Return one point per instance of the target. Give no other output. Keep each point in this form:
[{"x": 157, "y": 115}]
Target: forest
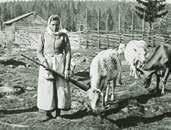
[{"x": 75, "y": 13}]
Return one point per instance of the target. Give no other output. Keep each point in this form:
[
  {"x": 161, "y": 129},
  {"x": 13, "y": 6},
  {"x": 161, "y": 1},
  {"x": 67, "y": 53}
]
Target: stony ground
[{"x": 135, "y": 107}]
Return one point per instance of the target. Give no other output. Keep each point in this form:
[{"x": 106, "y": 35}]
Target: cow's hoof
[
  {"x": 136, "y": 77},
  {"x": 120, "y": 83},
  {"x": 96, "y": 111},
  {"x": 156, "y": 92},
  {"x": 104, "y": 103},
  {"x": 162, "y": 93},
  {"x": 112, "y": 98}
]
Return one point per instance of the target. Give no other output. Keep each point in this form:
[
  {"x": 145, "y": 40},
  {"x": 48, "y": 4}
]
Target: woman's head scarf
[{"x": 51, "y": 18}]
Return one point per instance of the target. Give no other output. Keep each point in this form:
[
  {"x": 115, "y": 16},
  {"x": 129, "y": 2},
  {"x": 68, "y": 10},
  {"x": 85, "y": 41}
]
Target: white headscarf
[{"x": 52, "y": 17}]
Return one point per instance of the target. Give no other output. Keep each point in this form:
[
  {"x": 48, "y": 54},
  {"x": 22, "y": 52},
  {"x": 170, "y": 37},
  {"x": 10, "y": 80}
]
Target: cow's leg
[
  {"x": 134, "y": 72},
  {"x": 120, "y": 78},
  {"x": 119, "y": 66},
  {"x": 113, "y": 90},
  {"x": 164, "y": 80},
  {"x": 102, "y": 88},
  {"x": 95, "y": 82},
  {"x": 157, "y": 82},
  {"x": 103, "y": 102},
  {"x": 130, "y": 70},
  {"x": 148, "y": 80},
  {"x": 107, "y": 92}
]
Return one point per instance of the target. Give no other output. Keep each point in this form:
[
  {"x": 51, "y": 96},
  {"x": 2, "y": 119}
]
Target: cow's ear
[{"x": 88, "y": 84}]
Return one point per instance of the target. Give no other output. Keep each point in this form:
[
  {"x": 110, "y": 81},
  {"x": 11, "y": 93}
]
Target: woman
[{"x": 54, "y": 51}]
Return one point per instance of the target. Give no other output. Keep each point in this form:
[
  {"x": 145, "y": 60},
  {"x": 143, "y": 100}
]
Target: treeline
[{"x": 103, "y": 15}]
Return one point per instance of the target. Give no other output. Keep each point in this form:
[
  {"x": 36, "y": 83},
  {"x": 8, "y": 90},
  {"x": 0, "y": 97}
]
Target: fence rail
[{"x": 101, "y": 39}]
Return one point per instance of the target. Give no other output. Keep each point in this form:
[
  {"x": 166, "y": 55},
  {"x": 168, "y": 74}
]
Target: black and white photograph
[{"x": 85, "y": 64}]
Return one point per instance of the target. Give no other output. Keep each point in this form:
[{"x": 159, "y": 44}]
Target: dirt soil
[{"x": 134, "y": 108}]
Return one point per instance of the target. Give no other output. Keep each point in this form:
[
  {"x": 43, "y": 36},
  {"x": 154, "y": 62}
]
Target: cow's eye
[{"x": 96, "y": 91}]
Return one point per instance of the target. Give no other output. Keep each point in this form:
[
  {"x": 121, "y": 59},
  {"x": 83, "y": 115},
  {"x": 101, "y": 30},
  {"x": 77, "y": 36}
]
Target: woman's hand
[{"x": 44, "y": 62}]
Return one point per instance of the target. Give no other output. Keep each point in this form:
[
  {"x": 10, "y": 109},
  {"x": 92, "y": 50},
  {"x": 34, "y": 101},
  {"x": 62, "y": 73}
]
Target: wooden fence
[
  {"x": 104, "y": 40},
  {"x": 90, "y": 39}
]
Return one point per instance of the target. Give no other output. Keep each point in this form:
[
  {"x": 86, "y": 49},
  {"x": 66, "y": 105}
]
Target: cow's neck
[{"x": 152, "y": 63}]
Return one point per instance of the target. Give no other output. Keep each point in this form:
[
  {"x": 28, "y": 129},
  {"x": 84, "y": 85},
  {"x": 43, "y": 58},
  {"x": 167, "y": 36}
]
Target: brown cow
[{"x": 160, "y": 61}]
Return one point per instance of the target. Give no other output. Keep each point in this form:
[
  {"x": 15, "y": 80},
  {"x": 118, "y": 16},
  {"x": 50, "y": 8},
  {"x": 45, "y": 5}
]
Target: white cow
[
  {"x": 134, "y": 53},
  {"x": 105, "y": 67}
]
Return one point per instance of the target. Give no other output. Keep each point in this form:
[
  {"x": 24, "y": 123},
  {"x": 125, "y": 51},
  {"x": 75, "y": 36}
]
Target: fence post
[
  {"x": 142, "y": 34},
  {"x": 98, "y": 27},
  {"x": 132, "y": 26},
  {"x": 108, "y": 41},
  {"x": 119, "y": 22},
  {"x": 106, "y": 24},
  {"x": 86, "y": 39},
  {"x": 120, "y": 39},
  {"x": 99, "y": 40},
  {"x": 86, "y": 29},
  {"x": 107, "y": 30},
  {"x": 143, "y": 25}
]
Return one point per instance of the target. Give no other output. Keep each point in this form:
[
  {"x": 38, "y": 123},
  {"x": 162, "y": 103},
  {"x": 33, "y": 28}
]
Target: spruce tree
[{"x": 150, "y": 10}]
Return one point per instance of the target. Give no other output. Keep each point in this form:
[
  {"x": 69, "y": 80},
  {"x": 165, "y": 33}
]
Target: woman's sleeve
[
  {"x": 68, "y": 53},
  {"x": 40, "y": 49}
]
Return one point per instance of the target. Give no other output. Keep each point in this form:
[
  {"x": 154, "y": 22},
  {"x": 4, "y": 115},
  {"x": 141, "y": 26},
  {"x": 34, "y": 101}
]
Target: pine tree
[{"x": 150, "y": 10}]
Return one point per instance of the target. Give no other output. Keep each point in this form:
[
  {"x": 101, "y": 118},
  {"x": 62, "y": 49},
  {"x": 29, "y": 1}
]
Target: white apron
[{"x": 53, "y": 94}]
